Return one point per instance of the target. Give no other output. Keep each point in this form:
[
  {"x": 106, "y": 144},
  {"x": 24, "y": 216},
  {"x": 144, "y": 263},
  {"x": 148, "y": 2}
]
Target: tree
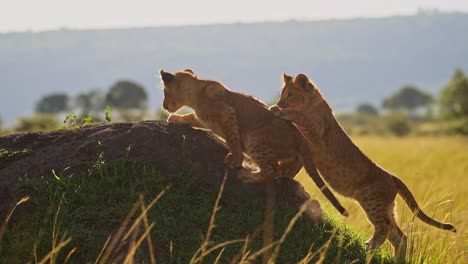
[
  {"x": 90, "y": 101},
  {"x": 408, "y": 98},
  {"x": 367, "y": 109},
  {"x": 126, "y": 94},
  {"x": 52, "y": 103},
  {"x": 454, "y": 96}
]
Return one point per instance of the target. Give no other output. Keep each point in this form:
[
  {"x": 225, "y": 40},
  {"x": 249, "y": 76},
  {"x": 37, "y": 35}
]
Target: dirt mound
[{"x": 169, "y": 148}]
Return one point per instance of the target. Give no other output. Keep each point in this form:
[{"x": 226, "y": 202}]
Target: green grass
[
  {"x": 435, "y": 169},
  {"x": 79, "y": 213}
]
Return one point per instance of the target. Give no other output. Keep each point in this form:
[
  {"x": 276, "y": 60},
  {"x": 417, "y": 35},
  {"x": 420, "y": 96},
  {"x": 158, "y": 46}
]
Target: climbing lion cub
[
  {"x": 275, "y": 145},
  {"x": 342, "y": 164}
]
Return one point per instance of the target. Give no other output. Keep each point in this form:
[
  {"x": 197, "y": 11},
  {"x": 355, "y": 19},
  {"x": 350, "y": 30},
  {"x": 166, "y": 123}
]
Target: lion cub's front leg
[
  {"x": 315, "y": 126},
  {"x": 189, "y": 119},
  {"x": 230, "y": 130}
]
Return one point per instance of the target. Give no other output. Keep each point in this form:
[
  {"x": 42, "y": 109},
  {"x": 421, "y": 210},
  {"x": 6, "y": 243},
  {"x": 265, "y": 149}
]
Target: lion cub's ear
[
  {"x": 286, "y": 78},
  {"x": 167, "y": 77},
  {"x": 303, "y": 81},
  {"x": 190, "y": 71}
]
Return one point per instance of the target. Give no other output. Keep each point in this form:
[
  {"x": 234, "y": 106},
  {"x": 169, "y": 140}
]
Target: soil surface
[{"x": 170, "y": 148}]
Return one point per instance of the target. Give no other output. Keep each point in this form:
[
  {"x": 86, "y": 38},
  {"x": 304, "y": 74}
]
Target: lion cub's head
[
  {"x": 299, "y": 92},
  {"x": 176, "y": 87}
]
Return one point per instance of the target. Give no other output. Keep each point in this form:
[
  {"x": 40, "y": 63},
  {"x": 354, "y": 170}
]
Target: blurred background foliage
[{"x": 409, "y": 111}]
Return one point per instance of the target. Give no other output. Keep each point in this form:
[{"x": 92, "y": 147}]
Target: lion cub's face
[
  {"x": 297, "y": 92},
  {"x": 176, "y": 87}
]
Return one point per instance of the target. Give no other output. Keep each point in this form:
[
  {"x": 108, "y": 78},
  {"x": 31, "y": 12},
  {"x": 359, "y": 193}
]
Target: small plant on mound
[
  {"x": 73, "y": 121},
  {"x": 7, "y": 156},
  {"x": 94, "y": 217},
  {"x": 13, "y": 154}
]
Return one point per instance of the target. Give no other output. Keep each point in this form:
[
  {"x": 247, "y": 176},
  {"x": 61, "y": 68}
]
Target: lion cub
[
  {"x": 246, "y": 124},
  {"x": 342, "y": 164}
]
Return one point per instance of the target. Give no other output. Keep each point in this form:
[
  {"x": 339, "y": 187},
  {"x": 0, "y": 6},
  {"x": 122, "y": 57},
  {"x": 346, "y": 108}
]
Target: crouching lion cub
[
  {"x": 342, "y": 164},
  {"x": 246, "y": 124}
]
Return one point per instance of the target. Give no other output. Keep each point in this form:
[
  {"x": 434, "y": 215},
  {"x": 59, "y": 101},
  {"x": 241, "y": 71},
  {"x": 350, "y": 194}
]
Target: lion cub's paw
[
  {"x": 234, "y": 162},
  {"x": 313, "y": 211},
  {"x": 276, "y": 110},
  {"x": 173, "y": 118},
  {"x": 370, "y": 244},
  {"x": 247, "y": 177}
]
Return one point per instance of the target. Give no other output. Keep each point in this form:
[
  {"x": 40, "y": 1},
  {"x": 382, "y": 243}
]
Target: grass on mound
[{"x": 88, "y": 218}]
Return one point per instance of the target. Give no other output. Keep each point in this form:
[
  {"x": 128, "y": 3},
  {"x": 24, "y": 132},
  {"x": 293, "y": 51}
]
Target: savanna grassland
[
  {"x": 125, "y": 211},
  {"x": 435, "y": 169}
]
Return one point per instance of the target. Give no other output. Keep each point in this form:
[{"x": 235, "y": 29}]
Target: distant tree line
[
  {"x": 452, "y": 103},
  {"x": 128, "y": 100},
  {"x": 406, "y": 104},
  {"x": 124, "y": 94}
]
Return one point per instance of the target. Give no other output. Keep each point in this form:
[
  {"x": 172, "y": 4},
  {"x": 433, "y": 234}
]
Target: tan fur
[
  {"x": 342, "y": 164},
  {"x": 275, "y": 145}
]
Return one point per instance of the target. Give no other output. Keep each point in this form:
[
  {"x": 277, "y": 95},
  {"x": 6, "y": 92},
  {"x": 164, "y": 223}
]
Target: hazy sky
[{"x": 20, "y": 15}]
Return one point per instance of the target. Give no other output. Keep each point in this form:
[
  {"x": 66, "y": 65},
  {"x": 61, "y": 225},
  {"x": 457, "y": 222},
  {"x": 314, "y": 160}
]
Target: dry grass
[{"x": 436, "y": 170}]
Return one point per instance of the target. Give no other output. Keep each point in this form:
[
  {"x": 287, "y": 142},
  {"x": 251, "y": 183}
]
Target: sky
[{"x": 40, "y": 15}]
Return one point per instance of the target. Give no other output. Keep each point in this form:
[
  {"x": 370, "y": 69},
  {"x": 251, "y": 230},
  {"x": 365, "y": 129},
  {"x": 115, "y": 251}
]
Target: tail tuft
[
  {"x": 408, "y": 197},
  {"x": 344, "y": 212},
  {"x": 449, "y": 227}
]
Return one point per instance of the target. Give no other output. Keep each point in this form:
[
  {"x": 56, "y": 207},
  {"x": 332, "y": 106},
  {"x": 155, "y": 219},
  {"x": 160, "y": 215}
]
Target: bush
[
  {"x": 132, "y": 114},
  {"x": 2, "y": 132},
  {"x": 162, "y": 114},
  {"x": 461, "y": 126},
  {"x": 361, "y": 124},
  {"x": 40, "y": 122},
  {"x": 398, "y": 124}
]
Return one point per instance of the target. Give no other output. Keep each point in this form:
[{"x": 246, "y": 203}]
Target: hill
[
  {"x": 352, "y": 60},
  {"x": 173, "y": 177}
]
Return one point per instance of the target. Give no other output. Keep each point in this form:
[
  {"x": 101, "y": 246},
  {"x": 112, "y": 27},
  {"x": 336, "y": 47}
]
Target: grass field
[{"x": 436, "y": 170}]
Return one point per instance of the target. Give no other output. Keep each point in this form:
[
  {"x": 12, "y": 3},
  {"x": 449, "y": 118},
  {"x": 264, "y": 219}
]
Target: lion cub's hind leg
[
  {"x": 289, "y": 168},
  {"x": 377, "y": 213},
  {"x": 266, "y": 161},
  {"x": 397, "y": 238},
  {"x": 270, "y": 167}
]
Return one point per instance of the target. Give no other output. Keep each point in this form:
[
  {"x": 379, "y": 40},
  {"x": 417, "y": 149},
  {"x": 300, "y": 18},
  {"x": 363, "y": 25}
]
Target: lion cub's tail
[
  {"x": 313, "y": 173},
  {"x": 408, "y": 197}
]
